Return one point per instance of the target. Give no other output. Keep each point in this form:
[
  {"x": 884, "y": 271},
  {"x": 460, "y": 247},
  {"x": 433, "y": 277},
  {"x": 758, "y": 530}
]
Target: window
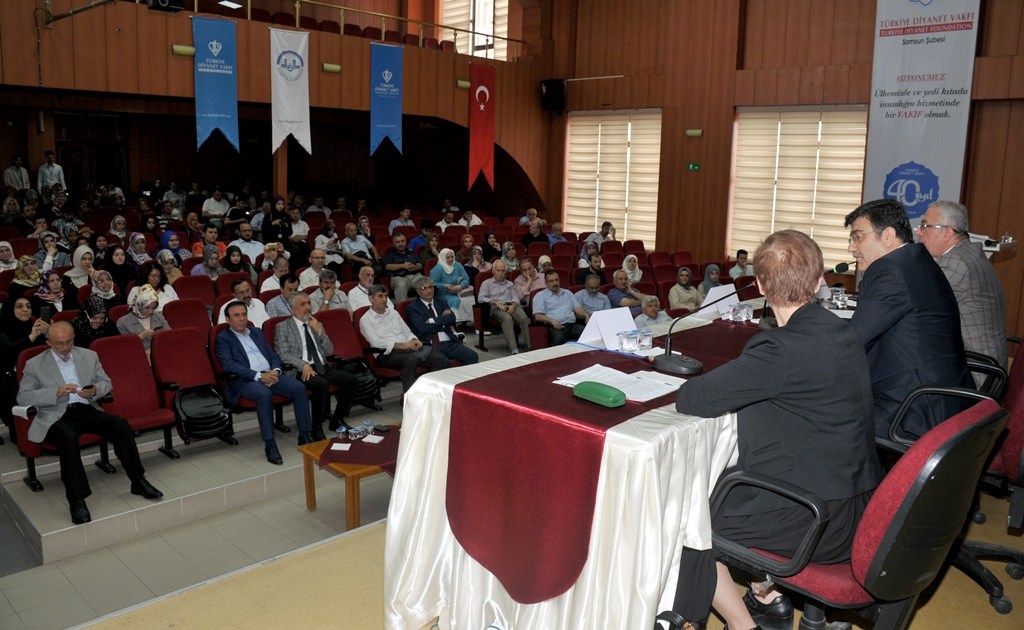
[
  {"x": 486, "y": 18},
  {"x": 800, "y": 169},
  {"x": 612, "y": 166}
]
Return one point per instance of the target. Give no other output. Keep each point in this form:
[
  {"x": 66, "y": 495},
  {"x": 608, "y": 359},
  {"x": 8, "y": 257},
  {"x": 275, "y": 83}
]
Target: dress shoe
[
  {"x": 777, "y": 614},
  {"x": 305, "y": 438},
  {"x": 273, "y": 455},
  {"x": 144, "y": 489},
  {"x": 675, "y": 621},
  {"x": 317, "y": 434},
  {"x": 79, "y": 512},
  {"x": 338, "y": 424}
]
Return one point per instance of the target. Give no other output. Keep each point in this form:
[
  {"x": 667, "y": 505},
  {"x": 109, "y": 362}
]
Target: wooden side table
[{"x": 352, "y": 473}]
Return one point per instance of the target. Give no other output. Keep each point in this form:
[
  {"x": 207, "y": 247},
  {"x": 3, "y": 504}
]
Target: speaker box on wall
[
  {"x": 552, "y": 95},
  {"x": 172, "y": 6}
]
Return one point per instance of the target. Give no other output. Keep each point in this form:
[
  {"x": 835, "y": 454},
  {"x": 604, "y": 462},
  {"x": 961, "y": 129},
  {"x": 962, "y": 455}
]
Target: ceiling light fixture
[{"x": 229, "y": 4}]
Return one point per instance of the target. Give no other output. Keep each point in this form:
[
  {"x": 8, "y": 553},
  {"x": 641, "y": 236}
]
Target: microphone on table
[
  {"x": 840, "y": 268},
  {"x": 684, "y": 365}
]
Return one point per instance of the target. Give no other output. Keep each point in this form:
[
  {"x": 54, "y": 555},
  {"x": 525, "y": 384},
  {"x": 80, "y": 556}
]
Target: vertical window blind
[
  {"x": 799, "y": 169},
  {"x": 612, "y": 166}
]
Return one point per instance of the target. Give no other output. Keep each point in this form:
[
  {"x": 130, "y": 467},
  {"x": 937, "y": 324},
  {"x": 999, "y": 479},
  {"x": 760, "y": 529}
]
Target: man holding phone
[{"x": 64, "y": 386}]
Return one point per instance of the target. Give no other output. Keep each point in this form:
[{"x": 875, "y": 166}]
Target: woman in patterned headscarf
[
  {"x": 92, "y": 322},
  {"x": 137, "y": 249},
  {"x": 211, "y": 264},
  {"x": 51, "y": 293},
  {"x": 26, "y": 276},
  {"x": 142, "y": 318}
]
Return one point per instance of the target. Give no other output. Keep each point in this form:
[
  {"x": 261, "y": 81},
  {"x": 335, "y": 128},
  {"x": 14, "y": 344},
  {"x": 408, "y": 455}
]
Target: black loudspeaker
[
  {"x": 171, "y": 6},
  {"x": 552, "y": 95}
]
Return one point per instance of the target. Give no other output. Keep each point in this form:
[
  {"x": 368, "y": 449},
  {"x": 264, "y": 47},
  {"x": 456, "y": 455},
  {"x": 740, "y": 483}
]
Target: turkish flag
[{"x": 481, "y": 122}]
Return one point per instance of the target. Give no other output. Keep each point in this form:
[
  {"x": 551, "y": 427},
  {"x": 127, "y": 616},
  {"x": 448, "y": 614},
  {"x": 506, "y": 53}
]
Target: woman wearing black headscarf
[
  {"x": 121, "y": 270},
  {"x": 18, "y": 331},
  {"x": 92, "y": 322}
]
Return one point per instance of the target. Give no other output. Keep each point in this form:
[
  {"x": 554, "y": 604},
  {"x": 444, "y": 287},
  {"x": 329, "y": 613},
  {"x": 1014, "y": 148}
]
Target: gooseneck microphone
[
  {"x": 840, "y": 268},
  {"x": 687, "y": 366}
]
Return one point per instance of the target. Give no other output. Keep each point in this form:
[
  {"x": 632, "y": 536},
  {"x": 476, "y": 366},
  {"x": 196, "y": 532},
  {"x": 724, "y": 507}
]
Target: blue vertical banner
[
  {"x": 385, "y": 95},
  {"x": 216, "y": 72}
]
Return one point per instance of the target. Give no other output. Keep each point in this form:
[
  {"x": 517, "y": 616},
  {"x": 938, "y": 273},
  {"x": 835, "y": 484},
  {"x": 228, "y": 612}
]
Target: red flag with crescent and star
[{"x": 481, "y": 122}]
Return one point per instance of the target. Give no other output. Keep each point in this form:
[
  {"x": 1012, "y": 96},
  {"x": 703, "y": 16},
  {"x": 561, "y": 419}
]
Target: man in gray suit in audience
[{"x": 979, "y": 296}]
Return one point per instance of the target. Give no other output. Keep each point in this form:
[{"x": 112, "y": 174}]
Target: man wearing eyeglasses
[
  {"x": 907, "y": 318},
  {"x": 944, "y": 232}
]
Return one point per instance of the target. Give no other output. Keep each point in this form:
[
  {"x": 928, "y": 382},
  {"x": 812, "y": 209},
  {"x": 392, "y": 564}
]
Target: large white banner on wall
[
  {"x": 920, "y": 100},
  {"x": 289, "y": 88}
]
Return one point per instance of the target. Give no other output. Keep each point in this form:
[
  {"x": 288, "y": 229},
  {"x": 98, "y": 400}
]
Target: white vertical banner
[
  {"x": 289, "y": 88},
  {"x": 920, "y": 100}
]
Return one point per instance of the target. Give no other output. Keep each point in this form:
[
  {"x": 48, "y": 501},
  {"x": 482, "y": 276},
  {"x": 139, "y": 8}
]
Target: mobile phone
[
  {"x": 383, "y": 428},
  {"x": 46, "y": 314},
  {"x": 90, "y": 385}
]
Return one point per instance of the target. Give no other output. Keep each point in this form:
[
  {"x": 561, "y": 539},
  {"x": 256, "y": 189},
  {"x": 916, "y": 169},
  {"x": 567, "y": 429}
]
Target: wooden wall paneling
[
  {"x": 860, "y": 83},
  {"x": 753, "y": 34},
  {"x": 844, "y": 32},
  {"x": 744, "y": 89},
  {"x": 798, "y": 28},
  {"x": 774, "y": 46},
  {"x": 152, "y": 53},
  {"x": 788, "y": 87},
  {"x": 256, "y": 42},
  {"x": 1017, "y": 77},
  {"x": 866, "y": 32},
  {"x": 354, "y": 76},
  {"x": 812, "y": 85},
  {"x": 991, "y": 78},
  {"x": 819, "y": 35},
  {"x": 123, "y": 60},
  {"x": 316, "y": 73},
  {"x": 1010, "y": 216},
  {"x": 329, "y": 93},
  {"x": 765, "y": 85},
  {"x": 429, "y": 87},
  {"x": 447, "y": 105},
  {"x": 837, "y": 84},
  {"x": 90, "y": 42},
  {"x": 180, "y": 71},
  {"x": 15, "y": 68},
  {"x": 57, "y": 53},
  {"x": 460, "y": 103},
  {"x": 999, "y": 29},
  {"x": 411, "y": 67}
]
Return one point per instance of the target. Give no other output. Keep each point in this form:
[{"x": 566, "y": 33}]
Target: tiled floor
[{"x": 84, "y": 587}]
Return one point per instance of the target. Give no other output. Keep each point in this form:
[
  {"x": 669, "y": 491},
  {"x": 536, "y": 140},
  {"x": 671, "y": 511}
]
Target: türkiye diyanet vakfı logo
[
  {"x": 289, "y": 64},
  {"x": 214, "y": 64},
  {"x": 386, "y": 88},
  {"x": 913, "y": 185}
]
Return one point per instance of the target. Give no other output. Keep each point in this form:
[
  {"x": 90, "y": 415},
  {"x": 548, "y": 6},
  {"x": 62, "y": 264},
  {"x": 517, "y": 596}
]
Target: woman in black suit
[
  {"x": 799, "y": 419},
  {"x": 18, "y": 331}
]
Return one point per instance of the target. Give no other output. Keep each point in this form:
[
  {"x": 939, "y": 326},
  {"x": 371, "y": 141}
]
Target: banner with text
[
  {"x": 289, "y": 88},
  {"x": 216, "y": 75},
  {"x": 920, "y": 101},
  {"x": 481, "y": 122},
  {"x": 385, "y": 95}
]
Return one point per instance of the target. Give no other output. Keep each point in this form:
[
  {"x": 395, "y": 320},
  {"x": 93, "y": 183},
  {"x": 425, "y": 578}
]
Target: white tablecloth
[{"x": 657, "y": 473}]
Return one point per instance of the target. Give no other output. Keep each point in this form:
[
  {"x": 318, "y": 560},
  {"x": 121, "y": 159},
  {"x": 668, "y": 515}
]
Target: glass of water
[{"x": 629, "y": 341}]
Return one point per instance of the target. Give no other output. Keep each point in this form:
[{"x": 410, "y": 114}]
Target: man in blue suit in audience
[
  {"x": 244, "y": 352},
  {"x": 432, "y": 320}
]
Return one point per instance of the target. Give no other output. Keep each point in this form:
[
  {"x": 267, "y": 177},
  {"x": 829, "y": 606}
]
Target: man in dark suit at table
[
  {"x": 431, "y": 320},
  {"x": 64, "y": 385},
  {"x": 244, "y": 352},
  {"x": 907, "y": 318},
  {"x": 303, "y": 344}
]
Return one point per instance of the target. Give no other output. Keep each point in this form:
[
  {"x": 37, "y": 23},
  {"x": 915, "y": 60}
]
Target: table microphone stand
[{"x": 684, "y": 365}]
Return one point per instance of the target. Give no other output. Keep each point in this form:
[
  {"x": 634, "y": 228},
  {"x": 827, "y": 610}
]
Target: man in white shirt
[
  {"x": 245, "y": 242},
  {"x": 274, "y": 281},
  {"x": 469, "y": 219},
  {"x": 175, "y": 196},
  {"x": 216, "y": 208},
  {"x": 447, "y": 220},
  {"x": 242, "y": 291},
  {"x": 318, "y": 206},
  {"x": 602, "y": 236},
  {"x": 300, "y": 229},
  {"x": 311, "y": 276},
  {"x": 49, "y": 176},
  {"x": 382, "y": 327},
  {"x": 652, "y": 313},
  {"x": 403, "y": 220},
  {"x": 741, "y": 268},
  {"x": 531, "y": 214},
  {"x": 359, "y": 296},
  {"x": 356, "y": 248}
]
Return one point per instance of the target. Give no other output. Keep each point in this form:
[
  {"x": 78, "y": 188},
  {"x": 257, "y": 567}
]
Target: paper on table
[
  {"x": 340, "y": 446},
  {"x": 374, "y": 439},
  {"x": 640, "y": 387}
]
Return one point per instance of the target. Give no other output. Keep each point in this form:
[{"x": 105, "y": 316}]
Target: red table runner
[
  {"x": 384, "y": 454},
  {"x": 523, "y": 466}
]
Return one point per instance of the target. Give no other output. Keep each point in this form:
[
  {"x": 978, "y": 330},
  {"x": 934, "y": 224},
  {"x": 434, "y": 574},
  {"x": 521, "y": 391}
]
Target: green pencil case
[{"x": 604, "y": 395}]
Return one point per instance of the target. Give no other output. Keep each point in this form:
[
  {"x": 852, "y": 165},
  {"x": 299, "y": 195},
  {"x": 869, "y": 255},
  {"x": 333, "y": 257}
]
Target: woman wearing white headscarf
[
  {"x": 142, "y": 318},
  {"x": 7, "y": 259},
  {"x": 82, "y": 270},
  {"x": 450, "y": 279},
  {"x": 632, "y": 268}
]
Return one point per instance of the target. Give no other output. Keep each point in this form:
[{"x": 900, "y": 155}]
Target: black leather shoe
[
  {"x": 675, "y": 621},
  {"x": 304, "y": 438},
  {"x": 144, "y": 489},
  {"x": 317, "y": 434},
  {"x": 79, "y": 512},
  {"x": 776, "y": 615},
  {"x": 273, "y": 455}
]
